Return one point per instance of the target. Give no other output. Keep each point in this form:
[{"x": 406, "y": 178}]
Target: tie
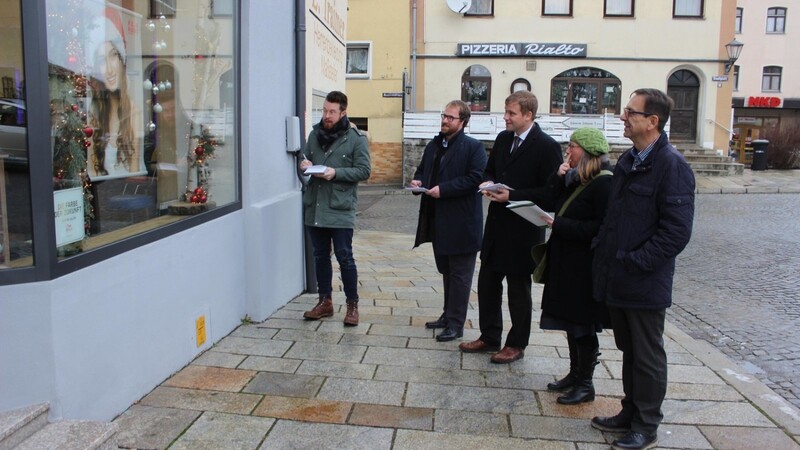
[{"x": 517, "y": 141}]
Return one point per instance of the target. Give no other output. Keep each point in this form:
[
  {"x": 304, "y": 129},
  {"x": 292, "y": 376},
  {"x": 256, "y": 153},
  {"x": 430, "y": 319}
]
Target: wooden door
[{"x": 684, "y": 89}]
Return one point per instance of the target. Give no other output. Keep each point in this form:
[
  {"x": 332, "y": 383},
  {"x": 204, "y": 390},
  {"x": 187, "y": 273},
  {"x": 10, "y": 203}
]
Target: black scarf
[{"x": 326, "y": 137}]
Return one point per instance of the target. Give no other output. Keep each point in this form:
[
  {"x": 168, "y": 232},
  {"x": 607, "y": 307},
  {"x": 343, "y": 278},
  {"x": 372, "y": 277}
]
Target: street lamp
[{"x": 734, "y": 49}]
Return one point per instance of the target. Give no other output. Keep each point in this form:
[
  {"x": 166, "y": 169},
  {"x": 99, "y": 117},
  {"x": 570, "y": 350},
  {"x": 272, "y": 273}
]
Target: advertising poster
[{"x": 68, "y": 204}]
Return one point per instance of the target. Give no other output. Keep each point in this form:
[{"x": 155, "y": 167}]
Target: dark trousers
[
  {"x": 342, "y": 239},
  {"x": 639, "y": 334},
  {"x": 490, "y": 302},
  {"x": 457, "y": 271}
]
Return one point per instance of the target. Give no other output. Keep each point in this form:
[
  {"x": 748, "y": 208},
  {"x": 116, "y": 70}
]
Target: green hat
[{"x": 591, "y": 140}]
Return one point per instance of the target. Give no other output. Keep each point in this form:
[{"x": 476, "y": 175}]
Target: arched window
[
  {"x": 585, "y": 90},
  {"x": 476, "y": 87},
  {"x": 520, "y": 84}
]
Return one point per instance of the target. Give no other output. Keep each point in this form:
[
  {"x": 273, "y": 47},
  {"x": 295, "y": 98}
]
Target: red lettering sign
[{"x": 763, "y": 102}]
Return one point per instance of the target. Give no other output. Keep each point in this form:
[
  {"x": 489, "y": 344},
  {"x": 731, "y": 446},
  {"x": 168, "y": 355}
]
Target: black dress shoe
[
  {"x": 614, "y": 424},
  {"x": 449, "y": 333},
  {"x": 636, "y": 441},
  {"x": 441, "y": 322}
]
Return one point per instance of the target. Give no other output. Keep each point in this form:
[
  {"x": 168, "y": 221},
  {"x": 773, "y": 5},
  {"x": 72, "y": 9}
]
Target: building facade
[
  {"x": 766, "y": 91},
  {"x": 580, "y": 57},
  {"x": 150, "y": 199}
]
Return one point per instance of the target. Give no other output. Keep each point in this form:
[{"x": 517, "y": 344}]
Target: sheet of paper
[
  {"x": 495, "y": 187},
  {"x": 530, "y": 212},
  {"x": 416, "y": 189},
  {"x": 311, "y": 170}
]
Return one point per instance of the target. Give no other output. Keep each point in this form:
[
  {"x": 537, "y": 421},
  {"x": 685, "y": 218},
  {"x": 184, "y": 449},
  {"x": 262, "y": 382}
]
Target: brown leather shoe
[
  {"x": 507, "y": 355},
  {"x": 477, "y": 346},
  {"x": 323, "y": 309},
  {"x": 351, "y": 316}
]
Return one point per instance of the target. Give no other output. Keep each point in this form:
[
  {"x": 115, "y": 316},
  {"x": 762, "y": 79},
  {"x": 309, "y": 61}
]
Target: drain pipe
[
  {"x": 300, "y": 111},
  {"x": 414, "y": 56}
]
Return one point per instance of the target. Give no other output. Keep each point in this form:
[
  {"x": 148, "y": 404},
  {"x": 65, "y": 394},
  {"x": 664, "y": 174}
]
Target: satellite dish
[{"x": 459, "y": 6}]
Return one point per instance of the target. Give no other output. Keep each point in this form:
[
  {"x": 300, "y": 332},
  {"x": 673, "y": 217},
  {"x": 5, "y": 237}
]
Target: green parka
[{"x": 332, "y": 204}]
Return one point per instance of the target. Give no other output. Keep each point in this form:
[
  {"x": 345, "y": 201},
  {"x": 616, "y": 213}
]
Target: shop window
[
  {"x": 556, "y": 7},
  {"x": 480, "y": 8},
  {"x": 585, "y": 90},
  {"x": 359, "y": 62},
  {"x": 143, "y": 117},
  {"x": 771, "y": 79},
  {"x": 15, "y": 195},
  {"x": 687, "y": 8},
  {"x": 361, "y": 122},
  {"x": 160, "y": 8},
  {"x": 738, "y": 24},
  {"x": 618, "y": 8},
  {"x": 776, "y": 20},
  {"x": 520, "y": 84},
  {"x": 221, "y": 8},
  {"x": 476, "y": 87}
]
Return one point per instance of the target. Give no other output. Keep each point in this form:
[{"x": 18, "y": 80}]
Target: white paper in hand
[
  {"x": 494, "y": 187},
  {"x": 530, "y": 212},
  {"x": 416, "y": 189},
  {"x": 311, "y": 170}
]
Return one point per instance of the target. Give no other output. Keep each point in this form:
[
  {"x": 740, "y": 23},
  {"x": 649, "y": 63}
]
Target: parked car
[{"x": 13, "y": 133}]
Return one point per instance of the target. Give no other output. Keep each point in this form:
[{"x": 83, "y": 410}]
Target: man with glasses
[
  {"x": 330, "y": 202},
  {"x": 647, "y": 224},
  {"x": 523, "y": 157},
  {"x": 450, "y": 213}
]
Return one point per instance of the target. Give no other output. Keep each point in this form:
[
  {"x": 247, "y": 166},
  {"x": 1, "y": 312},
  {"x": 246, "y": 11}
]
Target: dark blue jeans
[{"x": 342, "y": 239}]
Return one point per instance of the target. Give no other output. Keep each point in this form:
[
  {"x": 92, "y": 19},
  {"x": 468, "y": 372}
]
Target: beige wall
[
  {"x": 642, "y": 52},
  {"x": 326, "y": 28}
]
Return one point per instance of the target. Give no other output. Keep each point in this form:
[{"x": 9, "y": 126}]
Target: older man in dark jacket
[
  {"x": 648, "y": 223},
  {"x": 451, "y": 214}
]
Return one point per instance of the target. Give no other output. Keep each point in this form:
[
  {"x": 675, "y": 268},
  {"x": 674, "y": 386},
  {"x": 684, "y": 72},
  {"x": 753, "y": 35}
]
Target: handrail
[{"x": 720, "y": 125}]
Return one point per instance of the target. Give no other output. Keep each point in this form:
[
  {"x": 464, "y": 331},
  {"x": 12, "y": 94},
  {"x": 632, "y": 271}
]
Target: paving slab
[
  {"x": 214, "y": 431},
  {"x": 289, "y": 385},
  {"x": 392, "y": 417},
  {"x": 151, "y": 427},
  {"x": 197, "y": 400},
  {"x": 471, "y": 422},
  {"x": 305, "y": 435},
  {"x": 304, "y": 409}
]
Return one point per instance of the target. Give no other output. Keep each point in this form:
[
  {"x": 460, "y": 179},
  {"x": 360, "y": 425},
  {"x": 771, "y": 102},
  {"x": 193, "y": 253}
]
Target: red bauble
[
  {"x": 199, "y": 150},
  {"x": 88, "y": 131},
  {"x": 195, "y": 199},
  {"x": 87, "y": 144},
  {"x": 203, "y": 199},
  {"x": 74, "y": 107},
  {"x": 198, "y": 190}
]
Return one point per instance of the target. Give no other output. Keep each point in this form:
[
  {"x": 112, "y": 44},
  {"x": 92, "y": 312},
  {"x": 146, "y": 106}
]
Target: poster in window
[{"x": 105, "y": 50}]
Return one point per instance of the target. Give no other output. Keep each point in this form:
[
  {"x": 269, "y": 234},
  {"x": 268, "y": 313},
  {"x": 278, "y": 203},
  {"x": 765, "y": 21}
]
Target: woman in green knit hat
[{"x": 579, "y": 196}]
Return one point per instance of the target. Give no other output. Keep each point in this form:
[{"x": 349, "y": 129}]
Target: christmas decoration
[{"x": 198, "y": 160}]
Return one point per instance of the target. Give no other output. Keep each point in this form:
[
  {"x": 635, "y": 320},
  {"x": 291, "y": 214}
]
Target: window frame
[
  {"x": 736, "y": 77},
  {"x": 47, "y": 265},
  {"x": 700, "y": 14},
  {"x": 353, "y": 45},
  {"x": 773, "y": 15},
  {"x": 156, "y": 5},
  {"x": 772, "y": 76},
  {"x": 546, "y": 14},
  {"x": 607, "y": 14},
  {"x": 480, "y": 14},
  {"x": 737, "y": 25}
]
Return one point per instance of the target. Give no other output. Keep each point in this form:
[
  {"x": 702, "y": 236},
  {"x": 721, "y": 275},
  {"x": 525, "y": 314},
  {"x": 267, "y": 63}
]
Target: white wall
[{"x": 95, "y": 341}]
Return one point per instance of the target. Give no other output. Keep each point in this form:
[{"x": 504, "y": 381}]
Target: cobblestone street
[{"x": 737, "y": 284}]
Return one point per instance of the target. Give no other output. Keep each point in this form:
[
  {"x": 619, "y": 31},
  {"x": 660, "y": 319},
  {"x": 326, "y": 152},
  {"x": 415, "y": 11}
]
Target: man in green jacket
[{"x": 340, "y": 154}]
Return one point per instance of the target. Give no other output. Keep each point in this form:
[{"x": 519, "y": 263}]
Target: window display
[{"x": 143, "y": 115}]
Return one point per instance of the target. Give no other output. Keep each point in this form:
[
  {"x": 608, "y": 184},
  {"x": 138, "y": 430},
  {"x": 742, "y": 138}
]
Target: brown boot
[
  {"x": 323, "y": 309},
  {"x": 351, "y": 317}
]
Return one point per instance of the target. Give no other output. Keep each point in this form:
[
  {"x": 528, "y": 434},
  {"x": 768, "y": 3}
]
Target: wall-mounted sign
[
  {"x": 523, "y": 49},
  {"x": 392, "y": 95},
  {"x": 763, "y": 102},
  {"x": 719, "y": 78}
]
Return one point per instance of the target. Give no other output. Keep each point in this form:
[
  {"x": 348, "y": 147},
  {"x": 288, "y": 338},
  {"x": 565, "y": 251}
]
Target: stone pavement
[
  {"x": 751, "y": 182},
  {"x": 387, "y": 384}
]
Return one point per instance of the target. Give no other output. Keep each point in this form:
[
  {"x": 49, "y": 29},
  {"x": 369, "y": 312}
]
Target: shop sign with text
[
  {"x": 524, "y": 49},
  {"x": 763, "y": 102}
]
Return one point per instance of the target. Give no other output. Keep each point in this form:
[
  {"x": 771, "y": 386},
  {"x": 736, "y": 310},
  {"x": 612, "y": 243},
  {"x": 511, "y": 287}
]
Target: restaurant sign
[{"x": 523, "y": 49}]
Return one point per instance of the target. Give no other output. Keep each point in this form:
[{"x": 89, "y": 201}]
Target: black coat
[
  {"x": 507, "y": 237},
  {"x": 568, "y": 281},
  {"x": 648, "y": 223},
  {"x": 458, "y": 211}
]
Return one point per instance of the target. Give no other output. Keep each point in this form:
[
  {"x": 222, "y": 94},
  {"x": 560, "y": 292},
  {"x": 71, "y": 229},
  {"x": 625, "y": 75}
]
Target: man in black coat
[
  {"x": 523, "y": 157},
  {"x": 451, "y": 214},
  {"x": 648, "y": 223}
]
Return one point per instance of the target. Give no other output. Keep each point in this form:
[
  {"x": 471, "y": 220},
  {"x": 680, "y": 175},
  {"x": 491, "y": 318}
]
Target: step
[
  {"x": 74, "y": 435},
  {"x": 20, "y": 424}
]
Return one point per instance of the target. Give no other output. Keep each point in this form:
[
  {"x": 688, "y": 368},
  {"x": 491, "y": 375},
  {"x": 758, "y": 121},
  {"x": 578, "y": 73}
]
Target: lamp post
[{"x": 734, "y": 49}]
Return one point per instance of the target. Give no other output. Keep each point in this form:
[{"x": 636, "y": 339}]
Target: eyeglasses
[
  {"x": 631, "y": 112},
  {"x": 572, "y": 145},
  {"x": 447, "y": 118}
]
